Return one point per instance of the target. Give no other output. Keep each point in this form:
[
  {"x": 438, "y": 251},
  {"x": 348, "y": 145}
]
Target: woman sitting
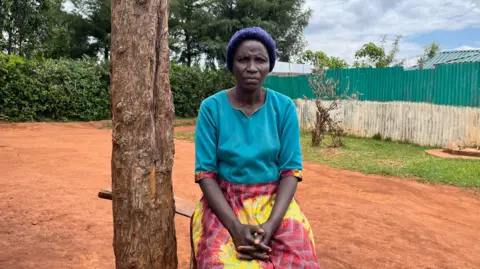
[{"x": 248, "y": 164}]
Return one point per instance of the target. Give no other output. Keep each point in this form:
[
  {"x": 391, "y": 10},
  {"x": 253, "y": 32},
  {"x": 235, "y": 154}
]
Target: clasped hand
[{"x": 252, "y": 242}]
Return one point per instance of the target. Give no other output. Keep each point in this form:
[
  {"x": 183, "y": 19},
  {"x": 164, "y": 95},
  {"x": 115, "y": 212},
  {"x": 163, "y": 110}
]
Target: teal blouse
[{"x": 247, "y": 150}]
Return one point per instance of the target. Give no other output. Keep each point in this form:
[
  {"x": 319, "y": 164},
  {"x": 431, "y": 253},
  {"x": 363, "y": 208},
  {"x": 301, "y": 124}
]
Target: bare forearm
[
  {"x": 217, "y": 202},
  {"x": 285, "y": 194}
]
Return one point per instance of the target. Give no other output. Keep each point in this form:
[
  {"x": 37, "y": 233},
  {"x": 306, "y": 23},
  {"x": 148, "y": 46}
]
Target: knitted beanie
[{"x": 253, "y": 33}]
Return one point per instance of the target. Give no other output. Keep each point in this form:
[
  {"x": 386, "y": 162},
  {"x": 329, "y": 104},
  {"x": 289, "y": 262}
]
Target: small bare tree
[{"x": 327, "y": 99}]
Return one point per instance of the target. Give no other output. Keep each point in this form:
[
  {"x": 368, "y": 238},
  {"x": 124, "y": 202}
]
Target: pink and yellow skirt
[{"x": 212, "y": 247}]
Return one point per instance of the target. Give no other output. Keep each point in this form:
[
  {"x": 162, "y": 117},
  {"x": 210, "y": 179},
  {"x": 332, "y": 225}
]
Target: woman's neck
[{"x": 249, "y": 97}]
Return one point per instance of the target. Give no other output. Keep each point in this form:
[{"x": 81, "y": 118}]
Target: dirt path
[{"x": 51, "y": 216}]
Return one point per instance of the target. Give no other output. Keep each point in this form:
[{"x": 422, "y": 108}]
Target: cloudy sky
[{"x": 340, "y": 27}]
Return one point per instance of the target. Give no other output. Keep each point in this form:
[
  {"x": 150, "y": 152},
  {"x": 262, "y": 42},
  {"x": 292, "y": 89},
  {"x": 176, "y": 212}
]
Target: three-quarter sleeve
[
  {"x": 290, "y": 153},
  {"x": 205, "y": 144}
]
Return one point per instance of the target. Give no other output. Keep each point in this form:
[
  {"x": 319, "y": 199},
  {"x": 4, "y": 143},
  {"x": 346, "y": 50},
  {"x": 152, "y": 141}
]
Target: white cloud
[
  {"x": 340, "y": 27},
  {"x": 467, "y": 48}
]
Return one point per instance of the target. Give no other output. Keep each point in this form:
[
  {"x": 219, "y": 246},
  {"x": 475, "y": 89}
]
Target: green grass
[
  {"x": 178, "y": 122},
  {"x": 189, "y": 136},
  {"x": 185, "y": 122},
  {"x": 396, "y": 159},
  {"x": 107, "y": 125}
]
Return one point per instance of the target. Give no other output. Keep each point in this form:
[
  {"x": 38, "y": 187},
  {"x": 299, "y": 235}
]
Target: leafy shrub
[
  {"x": 52, "y": 90},
  {"x": 78, "y": 90},
  {"x": 190, "y": 85},
  {"x": 377, "y": 136}
]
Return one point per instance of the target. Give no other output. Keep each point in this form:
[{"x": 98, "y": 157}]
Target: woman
[{"x": 248, "y": 164}]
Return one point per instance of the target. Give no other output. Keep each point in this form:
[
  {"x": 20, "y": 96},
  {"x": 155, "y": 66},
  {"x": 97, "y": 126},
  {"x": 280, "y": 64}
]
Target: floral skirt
[{"x": 212, "y": 247}]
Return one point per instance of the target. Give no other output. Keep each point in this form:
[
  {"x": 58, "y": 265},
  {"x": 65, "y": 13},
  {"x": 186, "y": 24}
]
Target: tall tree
[
  {"x": 143, "y": 146},
  {"x": 40, "y": 28},
  {"x": 285, "y": 20},
  {"x": 96, "y": 24},
  {"x": 187, "y": 22},
  {"x": 65, "y": 36},
  {"x": 372, "y": 55},
  {"x": 320, "y": 60},
  {"x": 24, "y": 25}
]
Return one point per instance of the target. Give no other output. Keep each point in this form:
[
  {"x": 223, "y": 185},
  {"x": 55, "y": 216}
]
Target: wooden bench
[{"x": 182, "y": 207}]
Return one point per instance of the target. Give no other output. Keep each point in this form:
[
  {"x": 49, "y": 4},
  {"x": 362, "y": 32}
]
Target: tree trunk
[
  {"x": 142, "y": 136},
  {"x": 105, "y": 53},
  {"x": 9, "y": 44},
  {"x": 317, "y": 134}
]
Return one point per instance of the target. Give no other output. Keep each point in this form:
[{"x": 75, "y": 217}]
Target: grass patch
[
  {"x": 189, "y": 136},
  {"x": 398, "y": 159},
  {"x": 106, "y": 125},
  {"x": 178, "y": 123},
  {"x": 185, "y": 122}
]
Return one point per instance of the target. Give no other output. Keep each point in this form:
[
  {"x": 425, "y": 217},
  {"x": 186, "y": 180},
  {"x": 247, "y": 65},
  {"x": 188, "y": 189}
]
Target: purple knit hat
[{"x": 253, "y": 33}]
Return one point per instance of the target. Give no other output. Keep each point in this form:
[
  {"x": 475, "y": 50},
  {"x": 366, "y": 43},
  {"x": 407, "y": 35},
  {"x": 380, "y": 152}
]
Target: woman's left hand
[
  {"x": 261, "y": 241},
  {"x": 268, "y": 228}
]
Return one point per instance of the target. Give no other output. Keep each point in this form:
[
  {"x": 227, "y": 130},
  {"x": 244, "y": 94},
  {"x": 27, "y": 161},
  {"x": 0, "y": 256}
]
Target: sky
[{"x": 340, "y": 27}]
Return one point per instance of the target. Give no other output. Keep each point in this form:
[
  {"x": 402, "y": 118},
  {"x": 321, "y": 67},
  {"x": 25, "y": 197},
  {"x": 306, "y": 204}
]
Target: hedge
[
  {"x": 52, "y": 90},
  {"x": 78, "y": 90},
  {"x": 190, "y": 85}
]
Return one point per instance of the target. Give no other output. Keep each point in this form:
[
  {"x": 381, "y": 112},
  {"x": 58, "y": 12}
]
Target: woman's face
[{"x": 251, "y": 65}]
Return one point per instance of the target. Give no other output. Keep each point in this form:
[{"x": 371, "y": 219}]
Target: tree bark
[{"x": 142, "y": 136}]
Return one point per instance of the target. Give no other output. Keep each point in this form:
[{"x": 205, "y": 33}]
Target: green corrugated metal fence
[{"x": 454, "y": 84}]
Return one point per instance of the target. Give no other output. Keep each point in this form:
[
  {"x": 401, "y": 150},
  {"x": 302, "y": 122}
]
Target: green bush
[
  {"x": 190, "y": 85},
  {"x": 78, "y": 90},
  {"x": 52, "y": 90}
]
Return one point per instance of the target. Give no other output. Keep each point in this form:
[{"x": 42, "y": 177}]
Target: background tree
[
  {"x": 372, "y": 55},
  {"x": 142, "y": 134},
  {"x": 67, "y": 36},
  {"x": 25, "y": 25},
  {"x": 429, "y": 52},
  {"x": 320, "y": 59},
  {"x": 95, "y": 26},
  {"x": 187, "y": 24},
  {"x": 338, "y": 63},
  {"x": 285, "y": 20},
  {"x": 198, "y": 28},
  {"x": 42, "y": 28}
]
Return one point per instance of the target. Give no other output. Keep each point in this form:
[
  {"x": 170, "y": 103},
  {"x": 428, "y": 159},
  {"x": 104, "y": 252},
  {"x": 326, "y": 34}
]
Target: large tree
[
  {"x": 285, "y": 20},
  {"x": 25, "y": 25},
  {"x": 373, "y": 55},
  {"x": 96, "y": 25},
  {"x": 187, "y": 22},
  {"x": 142, "y": 134},
  {"x": 68, "y": 36},
  {"x": 41, "y": 28}
]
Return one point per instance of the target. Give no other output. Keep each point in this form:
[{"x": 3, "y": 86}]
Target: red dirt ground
[{"x": 51, "y": 216}]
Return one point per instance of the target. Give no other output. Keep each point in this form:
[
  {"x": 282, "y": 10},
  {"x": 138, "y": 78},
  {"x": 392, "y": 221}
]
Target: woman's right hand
[{"x": 243, "y": 236}]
